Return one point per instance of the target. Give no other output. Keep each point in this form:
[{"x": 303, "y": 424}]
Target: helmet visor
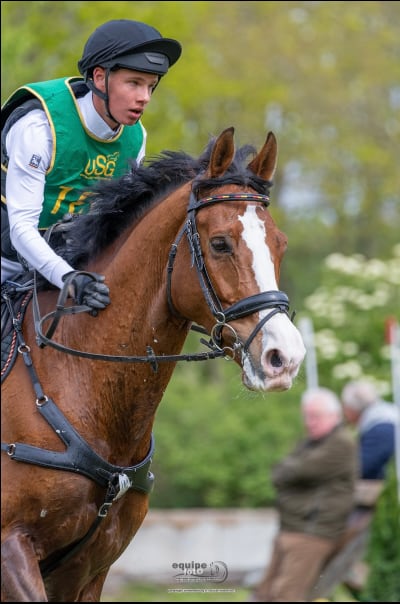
[{"x": 150, "y": 62}]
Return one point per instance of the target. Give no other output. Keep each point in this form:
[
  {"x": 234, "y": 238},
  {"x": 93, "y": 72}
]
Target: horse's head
[
  {"x": 223, "y": 267},
  {"x": 237, "y": 251}
]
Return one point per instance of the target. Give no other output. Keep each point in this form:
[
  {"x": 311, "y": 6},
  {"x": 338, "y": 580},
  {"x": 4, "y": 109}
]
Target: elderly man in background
[{"x": 315, "y": 490}]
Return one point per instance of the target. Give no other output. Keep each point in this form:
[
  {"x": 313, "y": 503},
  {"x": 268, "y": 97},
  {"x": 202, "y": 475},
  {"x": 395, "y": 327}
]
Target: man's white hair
[
  {"x": 327, "y": 399},
  {"x": 358, "y": 395}
]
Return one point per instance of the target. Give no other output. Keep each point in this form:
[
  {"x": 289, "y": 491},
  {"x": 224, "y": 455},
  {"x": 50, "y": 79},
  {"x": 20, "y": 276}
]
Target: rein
[
  {"x": 45, "y": 339},
  {"x": 275, "y": 300}
]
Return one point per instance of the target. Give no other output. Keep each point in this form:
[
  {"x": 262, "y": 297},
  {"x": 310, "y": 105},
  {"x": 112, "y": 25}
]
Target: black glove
[{"x": 89, "y": 290}]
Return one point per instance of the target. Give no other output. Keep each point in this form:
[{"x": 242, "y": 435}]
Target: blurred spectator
[
  {"x": 315, "y": 488},
  {"x": 375, "y": 420}
]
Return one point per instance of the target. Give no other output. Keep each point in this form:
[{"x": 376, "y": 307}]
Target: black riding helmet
[{"x": 130, "y": 45}]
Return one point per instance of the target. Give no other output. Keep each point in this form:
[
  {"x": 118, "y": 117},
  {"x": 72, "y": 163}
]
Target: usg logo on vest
[{"x": 101, "y": 166}]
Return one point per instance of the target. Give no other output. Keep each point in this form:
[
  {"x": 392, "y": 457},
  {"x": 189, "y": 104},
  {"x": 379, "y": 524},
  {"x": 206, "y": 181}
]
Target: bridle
[{"x": 275, "y": 300}]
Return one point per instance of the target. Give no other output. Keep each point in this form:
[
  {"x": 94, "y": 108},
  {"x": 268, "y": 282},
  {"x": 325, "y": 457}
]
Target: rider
[{"x": 61, "y": 136}]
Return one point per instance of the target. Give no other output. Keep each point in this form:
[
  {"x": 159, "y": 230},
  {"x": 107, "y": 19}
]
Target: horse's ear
[
  {"x": 264, "y": 164},
  {"x": 222, "y": 153}
]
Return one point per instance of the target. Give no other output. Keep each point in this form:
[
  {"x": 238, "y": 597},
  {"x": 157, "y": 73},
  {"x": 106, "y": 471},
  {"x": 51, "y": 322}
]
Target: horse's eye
[{"x": 220, "y": 245}]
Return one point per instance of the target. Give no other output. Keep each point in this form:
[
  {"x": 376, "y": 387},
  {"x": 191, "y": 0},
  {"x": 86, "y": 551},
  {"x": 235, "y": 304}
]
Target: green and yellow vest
[{"x": 79, "y": 159}]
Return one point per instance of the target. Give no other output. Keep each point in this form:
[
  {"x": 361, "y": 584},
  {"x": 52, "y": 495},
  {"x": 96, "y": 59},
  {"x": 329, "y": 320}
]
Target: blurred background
[{"x": 325, "y": 78}]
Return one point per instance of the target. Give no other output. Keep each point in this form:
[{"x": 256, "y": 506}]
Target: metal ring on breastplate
[
  {"x": 42, "y": 401},
  {"x": 23, "y": 348}
]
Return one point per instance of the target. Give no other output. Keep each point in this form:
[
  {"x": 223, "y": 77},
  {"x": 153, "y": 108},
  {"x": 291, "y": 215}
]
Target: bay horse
[{"x": 182, "y": 242}]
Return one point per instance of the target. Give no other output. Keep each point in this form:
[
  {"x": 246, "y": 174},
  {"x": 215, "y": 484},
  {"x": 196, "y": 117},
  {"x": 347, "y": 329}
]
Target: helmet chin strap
[{"x": 103, "y": 95}]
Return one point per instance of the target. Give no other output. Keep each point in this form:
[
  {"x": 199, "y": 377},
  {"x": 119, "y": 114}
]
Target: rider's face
[{"x": 129, "y": 92}]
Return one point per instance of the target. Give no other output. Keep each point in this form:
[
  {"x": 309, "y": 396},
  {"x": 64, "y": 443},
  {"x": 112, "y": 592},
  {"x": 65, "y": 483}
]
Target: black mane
[{"x": 119, "y": 203}]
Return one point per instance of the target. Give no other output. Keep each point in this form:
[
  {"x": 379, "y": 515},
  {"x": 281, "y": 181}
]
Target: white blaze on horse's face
[{"x": 282, "y": 349}]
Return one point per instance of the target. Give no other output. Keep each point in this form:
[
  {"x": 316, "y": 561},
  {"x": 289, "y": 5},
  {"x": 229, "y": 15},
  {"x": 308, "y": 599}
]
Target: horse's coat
[{"x": 154, "y": 302}]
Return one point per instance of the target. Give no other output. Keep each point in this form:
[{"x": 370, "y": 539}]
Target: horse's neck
[
  {"x": 135, "y": 270},
  {"x": 136, "y": 273},
  {"x": 137, "y": 318}
]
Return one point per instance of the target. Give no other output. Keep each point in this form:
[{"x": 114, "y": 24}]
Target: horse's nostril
[{"x": 276, "y": 359}]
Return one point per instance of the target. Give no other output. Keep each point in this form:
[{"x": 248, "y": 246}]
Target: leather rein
[{"x": 275, "y": 300}]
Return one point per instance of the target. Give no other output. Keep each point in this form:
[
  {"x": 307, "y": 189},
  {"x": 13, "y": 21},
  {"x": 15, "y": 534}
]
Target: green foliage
[
  {"x": 216, "y": 441},
  {"x": 322, "y": 75},
  {"x": 383, "y": 584}
]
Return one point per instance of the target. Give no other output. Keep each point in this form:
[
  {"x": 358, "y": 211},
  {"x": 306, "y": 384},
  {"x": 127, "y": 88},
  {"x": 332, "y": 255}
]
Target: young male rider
[{"x": 59, "y": 137}]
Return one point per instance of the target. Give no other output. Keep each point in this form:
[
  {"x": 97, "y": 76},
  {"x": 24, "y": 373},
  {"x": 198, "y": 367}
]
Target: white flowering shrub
[{"x": 351, "y": 310}]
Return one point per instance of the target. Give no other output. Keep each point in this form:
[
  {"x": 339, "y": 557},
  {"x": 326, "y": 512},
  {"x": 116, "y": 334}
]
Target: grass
[
  {"x": 144, "y": 592},
  {"x": 126, "y": 591}
]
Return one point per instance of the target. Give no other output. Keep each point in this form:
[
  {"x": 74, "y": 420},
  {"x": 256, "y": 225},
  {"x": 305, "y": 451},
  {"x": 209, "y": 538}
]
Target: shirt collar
[{"x": 93, "y": 121}]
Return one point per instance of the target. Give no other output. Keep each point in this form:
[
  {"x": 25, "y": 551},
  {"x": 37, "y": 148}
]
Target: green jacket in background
[{"x": 315, "y": 485}]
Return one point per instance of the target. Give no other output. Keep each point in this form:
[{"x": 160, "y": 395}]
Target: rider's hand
[{"x": 86, "y": 290}]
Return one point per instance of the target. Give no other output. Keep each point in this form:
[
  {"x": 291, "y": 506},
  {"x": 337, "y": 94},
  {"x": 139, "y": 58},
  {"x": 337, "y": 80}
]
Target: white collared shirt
[{"x": 31, "y": 136}]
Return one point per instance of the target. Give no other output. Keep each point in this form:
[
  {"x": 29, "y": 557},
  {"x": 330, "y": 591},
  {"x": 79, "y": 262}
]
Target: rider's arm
[{"x": 30, "y": 139}]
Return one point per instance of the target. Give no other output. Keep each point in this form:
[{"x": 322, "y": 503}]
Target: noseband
[{"x": 275, "y": 300}]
